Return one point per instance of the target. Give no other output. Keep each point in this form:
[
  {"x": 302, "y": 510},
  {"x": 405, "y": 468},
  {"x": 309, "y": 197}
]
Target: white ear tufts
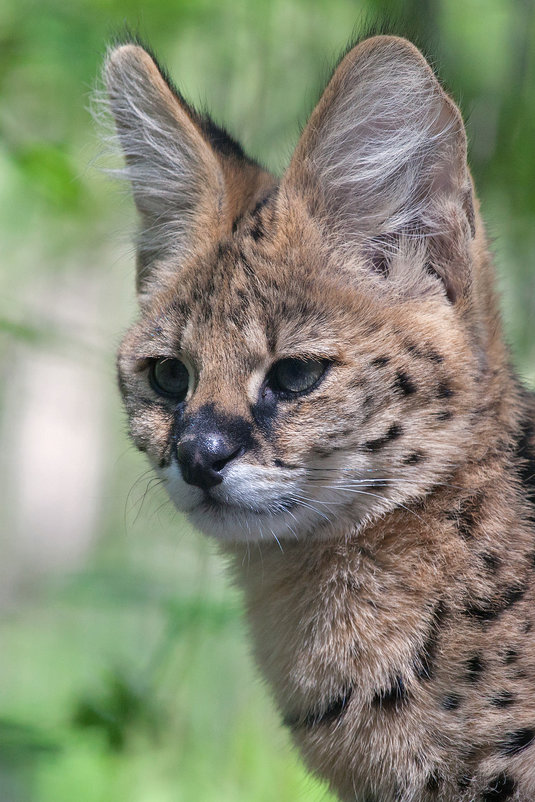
[
  {"x": 384, "y": 143},
  {"x": 170, "y": 167}
]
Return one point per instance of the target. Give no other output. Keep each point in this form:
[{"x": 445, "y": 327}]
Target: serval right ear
[{"x": 190, "y": 180}]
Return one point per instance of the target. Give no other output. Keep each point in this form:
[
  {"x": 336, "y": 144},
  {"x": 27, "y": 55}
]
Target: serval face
[{"x": 279, "y": 392}]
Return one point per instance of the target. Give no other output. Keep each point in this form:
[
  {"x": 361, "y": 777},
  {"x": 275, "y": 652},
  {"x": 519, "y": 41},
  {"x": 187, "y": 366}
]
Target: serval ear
[
  {"x": 190, "y": 180},
  {"x": 383, "y": 158}
]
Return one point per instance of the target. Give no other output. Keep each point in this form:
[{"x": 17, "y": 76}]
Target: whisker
[
  {"x": 165, "y": 503},
  {"x": 299, "y": 500},
  {"x": 374, "y": 480},
  {"x": 152, "y": 483},
  {"x": 292, "y": 530},
  {"x": 277, "y": 539},
  {"x": 139, "y": 479},
  {"x": 375, "y": 495}
]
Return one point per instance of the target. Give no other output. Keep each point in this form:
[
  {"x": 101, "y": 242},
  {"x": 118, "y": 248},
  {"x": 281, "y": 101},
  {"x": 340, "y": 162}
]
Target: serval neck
[{"x": 366, "y": 611}]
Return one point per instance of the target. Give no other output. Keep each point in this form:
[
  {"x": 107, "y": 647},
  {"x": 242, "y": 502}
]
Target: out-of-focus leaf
[
  {"x": 22, "y": 743},
  {"x": 123, "y": 706},
  {"x": 124, "y": 588},
  {"x": 186, "y": 613},
  {"x": 49, "y": 170},
  {"x": 20, "y": 331}
]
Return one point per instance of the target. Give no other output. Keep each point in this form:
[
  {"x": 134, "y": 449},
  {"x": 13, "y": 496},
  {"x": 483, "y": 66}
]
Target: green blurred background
[{"x": 124, "y": 668}]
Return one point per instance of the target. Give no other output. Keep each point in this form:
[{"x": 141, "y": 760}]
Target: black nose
[{"x": 203, "y": 457}]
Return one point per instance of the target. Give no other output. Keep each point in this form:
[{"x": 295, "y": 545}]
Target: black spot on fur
[
  {"x": 404, "y": 383},
  {"x": 474, "y": 668},
  {"x": 483, "y": 610},
  {"x": 264, "y": 201},
  {"x": 425, "y": 661},
  {"x": 511, "y": 656},
  {"x": 503, "y": 699},
  {"x": 527, "y": 626},
  {"x": 499, "y": 789},
  {"x": 379, "y": 361},
  {"x": 451, "y": 702},
  {"x": 257, "y": 232},
  {"x": 223, "y": 249},
  {"x": 178, "y": 307},
  {"x": 444, "y": 415},
  {"x": 444, "y": 391},
  {"x": 332, "y": 712},
  {"x": 393, "y": 433},
  {"x": 368, "y": 402},
  {"x": 430, "y": 354},
  {"x": 513, "y": 594},
  {"x": 413, "y": 459},
  {"x": 464, "y": 781},
  {"x": 491, "y": 561},
  {"x": 490, "y": 609},
  {"x": 468, "y": 515},
  {"x": 516, "y": 741},
  {"x": 247, "y": 269},
  {"x": 392, "y": 697},
  {"x": 433, "y": 782},
  {"x": 280, "y": 464}
]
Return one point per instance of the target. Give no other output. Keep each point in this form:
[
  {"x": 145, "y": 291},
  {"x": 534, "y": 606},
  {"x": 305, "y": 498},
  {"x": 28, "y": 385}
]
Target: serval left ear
[{"x": 383, "y": 155}]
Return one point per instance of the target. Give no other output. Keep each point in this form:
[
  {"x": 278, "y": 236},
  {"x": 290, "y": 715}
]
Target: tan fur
[{"x": 381, "y": 525}]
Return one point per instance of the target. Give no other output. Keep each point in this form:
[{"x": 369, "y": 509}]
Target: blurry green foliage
[
  {"x": 50, "y": 172},
  {"x": 22, "y": 743},
  {"x": 130, "y": 681},
  {"x": 125, "y": 705}
]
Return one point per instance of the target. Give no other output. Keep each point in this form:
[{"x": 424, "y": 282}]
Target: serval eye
[
  {"x": 296, "y": 375},
  {"x": 169, "y": 377}
]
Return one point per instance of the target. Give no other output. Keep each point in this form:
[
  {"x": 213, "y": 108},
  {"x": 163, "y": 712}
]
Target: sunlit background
[{"x": 124, "y": 667}]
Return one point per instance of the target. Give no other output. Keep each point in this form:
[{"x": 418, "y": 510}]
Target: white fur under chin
[{"x": 255, "y": 504}]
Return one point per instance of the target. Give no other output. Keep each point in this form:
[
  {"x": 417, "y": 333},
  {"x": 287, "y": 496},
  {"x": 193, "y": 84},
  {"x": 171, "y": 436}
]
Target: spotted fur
[{"x": 381, "y": 522}]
